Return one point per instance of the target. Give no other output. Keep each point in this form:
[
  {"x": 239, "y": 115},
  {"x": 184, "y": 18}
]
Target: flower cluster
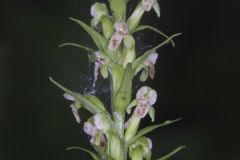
[{"x": 112, "y": 137}]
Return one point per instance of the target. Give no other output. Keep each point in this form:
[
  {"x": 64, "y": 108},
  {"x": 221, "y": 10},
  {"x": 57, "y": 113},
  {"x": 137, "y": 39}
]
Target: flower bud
[
  {"x": 129, "y": 53},
  {"x": 141, "y": 149},
  {"x": 98, "y": 10},
  {"x": 115, "y": 41},
  {"x": 144, "y": 75}
]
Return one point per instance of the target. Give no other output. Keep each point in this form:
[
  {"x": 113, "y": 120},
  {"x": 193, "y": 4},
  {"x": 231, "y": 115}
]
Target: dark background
[{"x": 197, "y": 80}]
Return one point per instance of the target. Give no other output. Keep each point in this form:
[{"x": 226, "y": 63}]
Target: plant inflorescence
[{"x": 111, "y": 135}]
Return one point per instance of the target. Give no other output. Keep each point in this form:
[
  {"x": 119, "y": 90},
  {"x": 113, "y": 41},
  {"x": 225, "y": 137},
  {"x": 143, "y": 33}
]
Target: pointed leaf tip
[
  {"x": 171, "y": 154},
  {"x": 93, "y": 155}
]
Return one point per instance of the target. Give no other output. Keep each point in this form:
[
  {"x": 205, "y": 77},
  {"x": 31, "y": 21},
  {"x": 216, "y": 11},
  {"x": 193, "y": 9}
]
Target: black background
[{"x": 196, "y": 80}]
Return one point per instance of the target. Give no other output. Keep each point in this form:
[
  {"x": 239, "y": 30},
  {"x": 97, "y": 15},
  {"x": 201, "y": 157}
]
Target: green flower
[{"x": 141, "y": 149}]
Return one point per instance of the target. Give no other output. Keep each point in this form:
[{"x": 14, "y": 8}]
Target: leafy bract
[
  {"x": 171, "y": 154},
  {"x": 142, "y": 27},
  {"x": 124, "y": 94},
  {"x": 93, "y": 155},
  {"x": 146, "y": 130},
  {"x": 98, "y": 39},
  {"x": 77, "y": 45},
  {"x": 90, "y": 102}
]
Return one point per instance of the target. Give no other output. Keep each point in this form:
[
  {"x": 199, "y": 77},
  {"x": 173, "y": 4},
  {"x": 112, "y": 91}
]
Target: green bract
[{"x": 115, "y": 59}]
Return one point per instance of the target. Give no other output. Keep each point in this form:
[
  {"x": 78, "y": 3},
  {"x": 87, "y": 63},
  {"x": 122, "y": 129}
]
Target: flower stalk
[{"x": 111, "y": 135}]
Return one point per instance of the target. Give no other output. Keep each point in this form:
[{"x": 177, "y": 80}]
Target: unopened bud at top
[{"x": 99, "y": 9}]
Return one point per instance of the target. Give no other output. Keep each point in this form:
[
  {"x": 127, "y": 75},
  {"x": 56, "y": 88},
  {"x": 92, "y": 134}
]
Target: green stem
[{"x": 119, "y": 119}]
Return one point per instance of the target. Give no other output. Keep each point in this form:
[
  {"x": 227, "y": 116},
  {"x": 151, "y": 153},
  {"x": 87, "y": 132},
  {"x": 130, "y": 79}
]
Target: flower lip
[
  {"x": 100, "y": 58},
  {"x": 121, "y": 27},
  {"x": 146, "y": 97},
  {"x": 75, "y": 113},
  {"x": 115, "y": 41},
  {"x": 150, "y": 62}
]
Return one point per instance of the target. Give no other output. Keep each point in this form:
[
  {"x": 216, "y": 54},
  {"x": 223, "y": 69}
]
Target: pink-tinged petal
[
  {"x": 75, "y": 113},
  {"x": 101, "y": 122},
  {"x": 100, "y": 58},
  {"x": 151, "y": 59},
  {"x": 148, "y": 4},
  {"x": 68, "y": 97},
  {"x": 89, "y": 129},
  {"x": 141, "y": 93},
  {"x": 150, "y": 62},
  {"x": 115, "y": 41},
  {"x": 152, "y": 97}
]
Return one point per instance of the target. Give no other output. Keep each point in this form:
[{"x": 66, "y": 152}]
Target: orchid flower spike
[{"x": 75, "y": 106}]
